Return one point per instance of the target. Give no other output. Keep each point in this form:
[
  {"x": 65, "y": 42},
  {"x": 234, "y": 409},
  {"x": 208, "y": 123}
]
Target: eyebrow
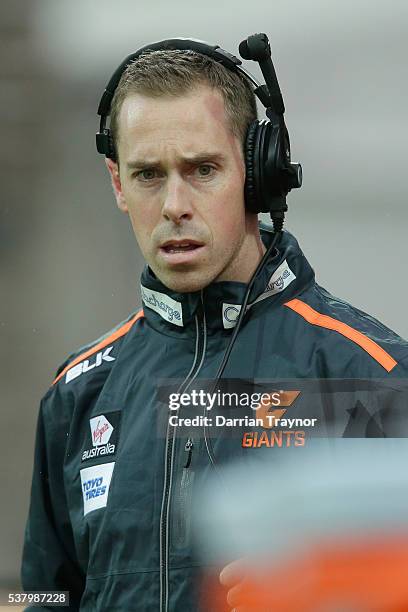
[{"x": 193, "y": 159}]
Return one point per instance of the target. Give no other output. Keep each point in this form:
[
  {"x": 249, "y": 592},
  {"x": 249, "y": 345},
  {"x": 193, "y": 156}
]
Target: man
[{"x": 113, "y": 484}]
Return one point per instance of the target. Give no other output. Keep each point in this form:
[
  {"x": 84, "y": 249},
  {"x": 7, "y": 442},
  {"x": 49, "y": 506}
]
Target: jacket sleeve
[{"x": 49, "y": 560}]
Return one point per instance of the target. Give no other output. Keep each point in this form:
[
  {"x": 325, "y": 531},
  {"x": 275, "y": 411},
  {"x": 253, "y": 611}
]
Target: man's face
[{"x": 181, "y": 179}]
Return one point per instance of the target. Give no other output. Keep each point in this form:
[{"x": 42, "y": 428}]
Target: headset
[{"x": 270, "y": 173}]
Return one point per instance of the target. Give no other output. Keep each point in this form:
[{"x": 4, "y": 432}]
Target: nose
[{"x": 177, "y": 205}]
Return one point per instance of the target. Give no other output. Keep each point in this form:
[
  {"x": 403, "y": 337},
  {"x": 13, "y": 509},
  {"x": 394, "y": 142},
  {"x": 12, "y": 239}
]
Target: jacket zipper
[
  {"x": 201, "y": 343},
  {"x": 183, "y": 497},
  {"x": 189, "y": 449}
]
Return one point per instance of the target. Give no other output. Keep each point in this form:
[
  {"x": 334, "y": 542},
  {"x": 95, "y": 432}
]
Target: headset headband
[
  {"x": 270, "y": 174},
  {"x": 183, "y": 44},
  {"x": 269, "y": 95}
]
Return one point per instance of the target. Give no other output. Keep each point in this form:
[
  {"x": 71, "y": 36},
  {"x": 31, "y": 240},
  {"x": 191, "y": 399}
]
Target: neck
[{"x": 246, "y": 261}]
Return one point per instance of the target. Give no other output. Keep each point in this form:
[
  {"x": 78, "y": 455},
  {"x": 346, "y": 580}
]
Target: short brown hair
[{"x": 173, "y": 73}]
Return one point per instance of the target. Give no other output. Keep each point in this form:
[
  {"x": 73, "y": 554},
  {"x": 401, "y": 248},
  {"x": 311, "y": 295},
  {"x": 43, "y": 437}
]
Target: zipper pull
[{"x": 189, "y": 449}]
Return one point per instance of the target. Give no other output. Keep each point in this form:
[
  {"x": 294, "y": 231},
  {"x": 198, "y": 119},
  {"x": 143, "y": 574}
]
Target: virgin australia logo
[
  {"x": 103, "y": 442},
  {"x": 101, "y": 430}
]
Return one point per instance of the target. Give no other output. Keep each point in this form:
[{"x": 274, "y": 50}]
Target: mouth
[
  {"x": 180, "y": 246},
  {"x": 179, "y": 252}
]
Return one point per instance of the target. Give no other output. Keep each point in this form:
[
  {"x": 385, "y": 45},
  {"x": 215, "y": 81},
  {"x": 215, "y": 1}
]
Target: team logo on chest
[{"x": 103, "y": 434}]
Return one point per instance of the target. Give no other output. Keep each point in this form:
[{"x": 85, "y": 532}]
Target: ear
[{"x": 113, "y": 170}]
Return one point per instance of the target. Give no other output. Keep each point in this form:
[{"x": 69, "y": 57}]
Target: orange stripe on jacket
[
  {"x": 322, "y": 320},
  {"x": 114, "y": 336}
]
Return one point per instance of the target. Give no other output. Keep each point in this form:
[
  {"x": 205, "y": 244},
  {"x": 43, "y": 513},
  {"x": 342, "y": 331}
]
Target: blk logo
[{"x": 87, "y": 365}]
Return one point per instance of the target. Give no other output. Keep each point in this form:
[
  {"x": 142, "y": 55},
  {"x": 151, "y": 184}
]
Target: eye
[
  {"x": 205, "y": 170},
  {"x": 147, "y": 174}
]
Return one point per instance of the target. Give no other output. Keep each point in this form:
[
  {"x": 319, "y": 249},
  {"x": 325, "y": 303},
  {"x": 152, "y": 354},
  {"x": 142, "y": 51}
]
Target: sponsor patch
[
  {"x": 89, "y": 364},
  {"x": 230, "y": 314},
  {"x": 102, "y": 436},
  {"x": 101, "y": 430},
  {"x": 164, "y": 305},
  {"x": 95, "y": 483},
  {"x": 280, "y": 279}
]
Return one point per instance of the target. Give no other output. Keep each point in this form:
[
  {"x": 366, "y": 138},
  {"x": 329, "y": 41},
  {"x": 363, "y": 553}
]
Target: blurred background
[{"x": 69, "y": 265}]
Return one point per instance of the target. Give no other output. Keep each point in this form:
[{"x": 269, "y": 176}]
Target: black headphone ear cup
[{"x": 251, "y": 155}]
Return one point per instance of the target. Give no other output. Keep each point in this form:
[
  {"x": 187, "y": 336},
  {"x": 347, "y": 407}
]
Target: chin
[{"x": 184, "y": 283}]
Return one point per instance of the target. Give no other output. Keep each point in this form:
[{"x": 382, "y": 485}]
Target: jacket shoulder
[
  {"x": 96, "y": 353},
  {"x": 355, "y": 332}
]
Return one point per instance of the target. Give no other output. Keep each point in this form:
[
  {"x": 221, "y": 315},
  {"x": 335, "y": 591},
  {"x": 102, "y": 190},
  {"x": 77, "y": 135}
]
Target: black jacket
[{"x": 111, "y": 493}]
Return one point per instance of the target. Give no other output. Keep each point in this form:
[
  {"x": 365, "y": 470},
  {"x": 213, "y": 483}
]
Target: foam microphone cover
[{"x": 243, "y": 50}]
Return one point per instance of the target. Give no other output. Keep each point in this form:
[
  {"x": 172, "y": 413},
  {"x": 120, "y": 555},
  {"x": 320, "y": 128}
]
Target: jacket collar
[{"x": 285, "y": 275}]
